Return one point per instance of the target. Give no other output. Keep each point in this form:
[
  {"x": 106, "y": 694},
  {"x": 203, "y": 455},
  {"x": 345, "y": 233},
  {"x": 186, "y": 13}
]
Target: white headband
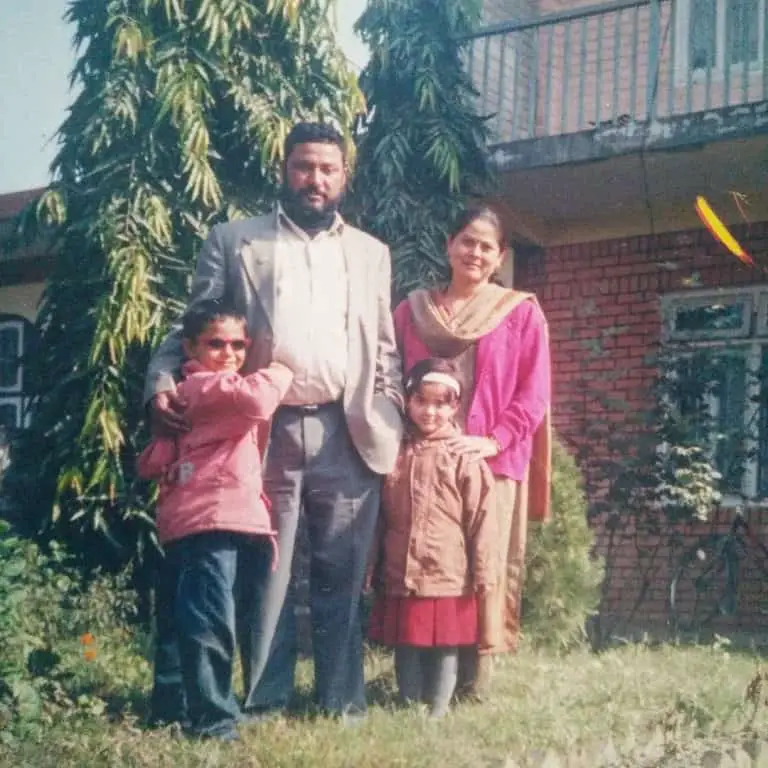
[{"x": 435, "y": 377}]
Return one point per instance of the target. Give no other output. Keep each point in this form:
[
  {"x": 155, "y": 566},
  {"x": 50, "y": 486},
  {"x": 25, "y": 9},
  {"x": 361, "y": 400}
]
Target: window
[
  {"x": 711, "y": 318},
  {"x": 702, "y": 34},
  {"x": 744, "y": 21},
  {"x": 715, "y": 35},
  {"x": 13, "y": 335},
  {"x": 718, "y": 347}
]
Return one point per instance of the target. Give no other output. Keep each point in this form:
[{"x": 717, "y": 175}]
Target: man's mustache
[{"x": 307, "y": 191}]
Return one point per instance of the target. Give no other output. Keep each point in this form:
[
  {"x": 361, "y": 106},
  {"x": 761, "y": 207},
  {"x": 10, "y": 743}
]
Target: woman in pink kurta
[{"x": 498, "y": 339}]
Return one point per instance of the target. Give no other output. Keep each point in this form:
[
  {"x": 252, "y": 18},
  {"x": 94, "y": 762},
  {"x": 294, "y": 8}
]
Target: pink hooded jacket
[{"x": 210, "y": 477}]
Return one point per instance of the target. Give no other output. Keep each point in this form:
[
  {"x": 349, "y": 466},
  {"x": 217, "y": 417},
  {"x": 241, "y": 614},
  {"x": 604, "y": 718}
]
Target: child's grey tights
[{"x": 427, "y": 675}]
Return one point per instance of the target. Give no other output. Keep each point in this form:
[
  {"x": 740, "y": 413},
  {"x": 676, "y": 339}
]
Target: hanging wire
[{"x": 651, "y": 111}]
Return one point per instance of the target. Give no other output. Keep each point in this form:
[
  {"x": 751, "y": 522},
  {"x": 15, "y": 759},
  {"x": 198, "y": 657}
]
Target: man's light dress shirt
[{"x": 311, "y": 308}]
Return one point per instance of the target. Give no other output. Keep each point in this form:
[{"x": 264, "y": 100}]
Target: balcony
[{"x": 681, "y": 84}]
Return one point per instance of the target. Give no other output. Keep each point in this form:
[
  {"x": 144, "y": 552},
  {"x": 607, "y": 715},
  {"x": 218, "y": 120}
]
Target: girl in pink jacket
[{"x": 212, "y": 516}]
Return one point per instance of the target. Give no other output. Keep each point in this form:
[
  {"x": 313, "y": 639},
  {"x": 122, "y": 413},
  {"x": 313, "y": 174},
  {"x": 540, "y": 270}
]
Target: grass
[{"x": 540, "y": 700}]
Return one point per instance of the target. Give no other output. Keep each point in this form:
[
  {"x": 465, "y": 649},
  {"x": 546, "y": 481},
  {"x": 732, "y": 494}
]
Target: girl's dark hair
[
  {"x": 197, "y": 318},
  {"x": 485, "y": 212},
  {"x": 417, "y": 373}
]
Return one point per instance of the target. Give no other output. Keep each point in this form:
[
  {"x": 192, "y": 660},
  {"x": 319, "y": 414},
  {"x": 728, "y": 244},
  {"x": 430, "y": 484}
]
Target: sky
[{"x": 36, "y": 58}]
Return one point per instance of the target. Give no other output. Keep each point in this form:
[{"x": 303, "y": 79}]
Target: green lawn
[{"x": 540, "y": 701}]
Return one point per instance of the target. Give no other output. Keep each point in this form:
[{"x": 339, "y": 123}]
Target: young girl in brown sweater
[{"x": 436, "y": 548}]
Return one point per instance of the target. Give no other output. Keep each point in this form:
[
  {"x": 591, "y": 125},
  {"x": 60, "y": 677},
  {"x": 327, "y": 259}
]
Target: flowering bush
[{"x": 62, "y": 639}]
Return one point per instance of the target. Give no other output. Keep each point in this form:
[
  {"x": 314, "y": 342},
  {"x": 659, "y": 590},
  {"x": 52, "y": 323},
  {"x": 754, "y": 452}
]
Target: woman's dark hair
[
  {"x": 198, "y": 317},
  {"x": 415, "y": 377},
  {"x": 485, "y": 212},
  {"x": 313, "y": 133}
]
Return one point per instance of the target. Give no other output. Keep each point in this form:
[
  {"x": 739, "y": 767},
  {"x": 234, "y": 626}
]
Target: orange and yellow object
[
  {"x": 88, "y": 641},
  {"x": 720, "y": 232}
]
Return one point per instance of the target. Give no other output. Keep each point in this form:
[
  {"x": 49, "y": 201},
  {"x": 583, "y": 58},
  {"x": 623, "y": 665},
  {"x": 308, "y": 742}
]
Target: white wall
[{"x": 21, "y": 299}]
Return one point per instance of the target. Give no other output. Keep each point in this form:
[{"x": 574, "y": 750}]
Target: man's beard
[{"x": 305, "y": 215}]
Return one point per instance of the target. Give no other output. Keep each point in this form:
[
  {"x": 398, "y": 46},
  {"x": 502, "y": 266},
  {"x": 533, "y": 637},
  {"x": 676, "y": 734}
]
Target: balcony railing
[{"x": 618, "y": 63}]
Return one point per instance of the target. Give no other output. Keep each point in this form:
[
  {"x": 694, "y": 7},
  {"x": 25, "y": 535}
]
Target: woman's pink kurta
[{"x": 512, "y": 382}]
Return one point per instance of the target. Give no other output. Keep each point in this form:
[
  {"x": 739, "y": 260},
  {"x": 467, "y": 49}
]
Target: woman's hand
[{"x": 475, "y": 448}]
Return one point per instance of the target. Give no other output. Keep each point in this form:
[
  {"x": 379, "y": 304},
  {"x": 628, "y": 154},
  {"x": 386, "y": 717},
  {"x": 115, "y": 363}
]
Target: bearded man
[{"x": 316, "y": 294}]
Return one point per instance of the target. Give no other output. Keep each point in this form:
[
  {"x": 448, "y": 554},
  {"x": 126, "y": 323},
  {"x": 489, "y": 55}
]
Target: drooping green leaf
[
  {"x": 180, "y": 113},
  {"x": 422, "y": 147}
]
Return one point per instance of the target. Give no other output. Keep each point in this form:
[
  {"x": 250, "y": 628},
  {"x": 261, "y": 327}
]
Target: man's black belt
[{"x": 310, "y": 408}]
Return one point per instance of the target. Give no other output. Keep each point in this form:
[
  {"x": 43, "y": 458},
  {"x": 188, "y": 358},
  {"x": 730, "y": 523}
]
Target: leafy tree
[
  {"x": 423, "y": 147},
  {"x": 179, "y": 122}
]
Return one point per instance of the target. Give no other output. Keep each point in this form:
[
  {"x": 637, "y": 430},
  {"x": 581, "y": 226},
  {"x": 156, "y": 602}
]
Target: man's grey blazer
[{"x": 237, "y": 260}]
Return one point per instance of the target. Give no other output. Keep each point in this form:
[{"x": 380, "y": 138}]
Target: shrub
[
  {"x": 68, "y": 645},
  {"x": 563, "y": 577}
]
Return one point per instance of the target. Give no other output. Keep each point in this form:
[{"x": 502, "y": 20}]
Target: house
[
  {"x": 607, "y": 120},
  {"x": 22, "y": 276}
]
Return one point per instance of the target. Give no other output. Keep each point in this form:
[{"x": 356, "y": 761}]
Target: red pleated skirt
[{"x": 425, "y": 622}]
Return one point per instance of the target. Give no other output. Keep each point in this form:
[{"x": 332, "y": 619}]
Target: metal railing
[{"x": 618, "y": 63}]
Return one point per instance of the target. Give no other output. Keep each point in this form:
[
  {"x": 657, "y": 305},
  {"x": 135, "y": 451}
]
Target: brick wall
[
  {"x": 614, "y": 286},
  {"x": 611, "y": 289}
]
